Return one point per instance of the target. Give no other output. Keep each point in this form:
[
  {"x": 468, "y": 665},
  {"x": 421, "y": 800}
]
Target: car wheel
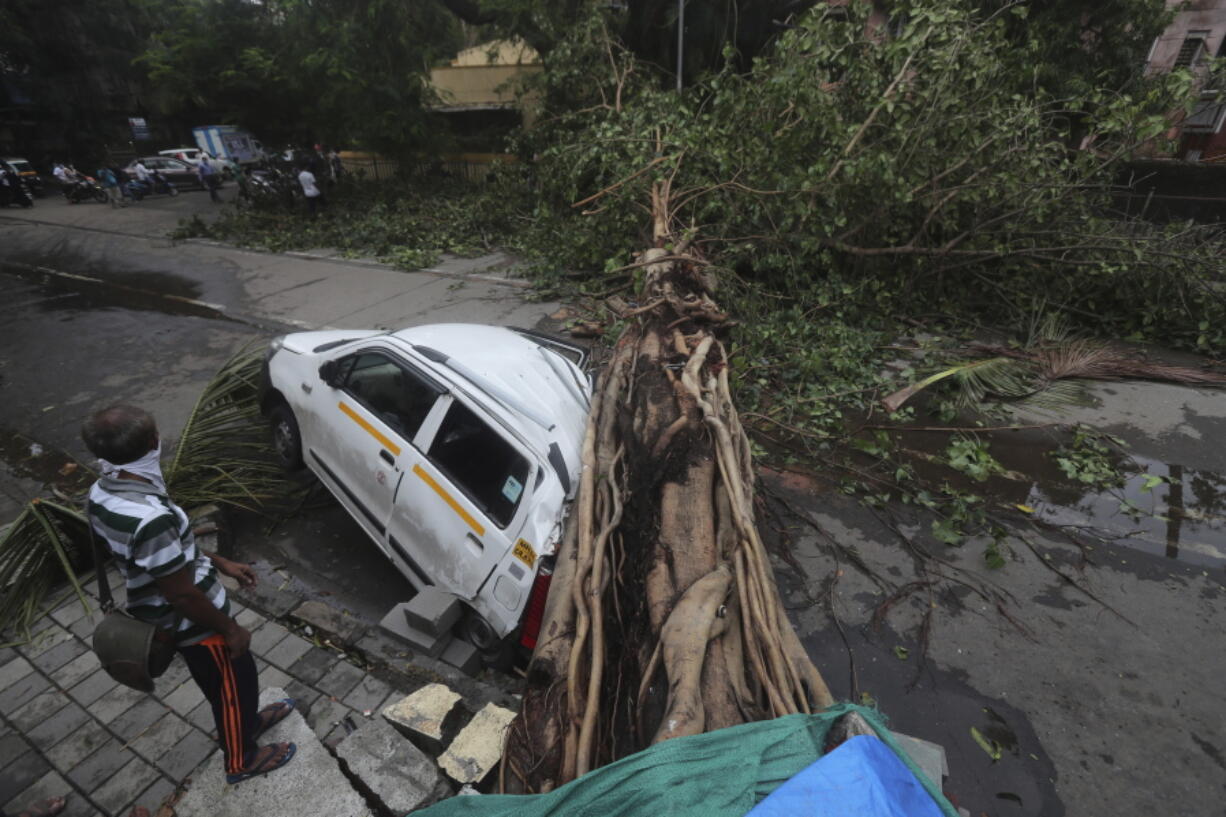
[
  {"x": 496, "y": 653},
  {"x": 286, "y": 440}
]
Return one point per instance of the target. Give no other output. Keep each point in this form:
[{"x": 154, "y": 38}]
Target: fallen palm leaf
[{"x": 37, "y": 550}]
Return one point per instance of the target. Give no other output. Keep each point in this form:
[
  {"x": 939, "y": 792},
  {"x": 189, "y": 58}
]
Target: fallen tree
[{"x": 664, "y": 619}]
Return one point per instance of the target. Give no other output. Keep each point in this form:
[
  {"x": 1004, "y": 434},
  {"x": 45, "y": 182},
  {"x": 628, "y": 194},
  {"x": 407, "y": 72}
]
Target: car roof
[{"x": 507, "y": 361}]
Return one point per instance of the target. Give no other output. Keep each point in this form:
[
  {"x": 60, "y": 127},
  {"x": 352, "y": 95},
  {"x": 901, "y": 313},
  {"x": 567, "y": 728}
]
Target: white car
[
  {"x": 455, "y": 446},
  {"x": 192, "y": 157}
]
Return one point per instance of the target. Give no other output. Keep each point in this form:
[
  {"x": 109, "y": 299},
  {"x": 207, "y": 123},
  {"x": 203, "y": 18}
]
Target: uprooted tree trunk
[{"x": 663, "y": 619}]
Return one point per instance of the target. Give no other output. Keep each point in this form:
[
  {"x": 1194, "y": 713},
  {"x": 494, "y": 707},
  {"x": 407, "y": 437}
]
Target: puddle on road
[
  {"x": 142, "y": 291},
  {"x": 23, "y": 458},
  {"x": 1163, "y": 509}
]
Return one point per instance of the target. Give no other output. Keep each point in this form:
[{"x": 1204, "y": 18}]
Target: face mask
[{"x": 148, "y": 466}]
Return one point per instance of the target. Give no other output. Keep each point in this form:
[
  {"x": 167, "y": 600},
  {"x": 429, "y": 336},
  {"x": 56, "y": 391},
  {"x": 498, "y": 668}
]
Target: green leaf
[
  {"x": 988, "y": 745},
  {"x": 901, "y": 653}
]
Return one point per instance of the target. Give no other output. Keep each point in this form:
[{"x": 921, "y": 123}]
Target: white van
[{"x": 456, "y": 447}]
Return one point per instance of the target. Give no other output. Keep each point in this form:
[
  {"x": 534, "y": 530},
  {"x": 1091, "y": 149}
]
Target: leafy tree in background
[
  {"x": 66, "y": 67},
  {"x": 337, "y": 71}
]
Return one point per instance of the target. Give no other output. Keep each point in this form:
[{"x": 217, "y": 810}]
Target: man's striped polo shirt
[{"x": 151, "y": 537}]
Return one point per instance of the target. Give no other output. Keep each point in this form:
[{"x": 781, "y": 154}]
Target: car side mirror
[{"x": 329, "y": 373}]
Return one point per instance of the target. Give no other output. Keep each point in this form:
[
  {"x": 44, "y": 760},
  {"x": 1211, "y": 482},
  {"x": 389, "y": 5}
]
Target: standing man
[
  {"x": 309, "y": 188},
  {"x": 174, "y": 585},
  {"x": 208, "y": 176},
  {"x": 111, "y": 185}
]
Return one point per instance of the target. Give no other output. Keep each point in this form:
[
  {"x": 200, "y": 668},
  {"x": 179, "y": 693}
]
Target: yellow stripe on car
[
  {"x": 477, "y": 527},
  {"x": 371, "y": 430}
]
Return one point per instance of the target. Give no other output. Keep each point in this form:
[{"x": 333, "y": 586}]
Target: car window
[
  {"x": 397, "y": 395},
  {"x": 480, "y": 462}
]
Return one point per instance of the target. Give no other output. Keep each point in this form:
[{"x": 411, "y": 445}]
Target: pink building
[{"x": 1197, "y": 34}]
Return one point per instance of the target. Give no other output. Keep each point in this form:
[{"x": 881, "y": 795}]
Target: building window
[{"x": 1192, "y": 50}]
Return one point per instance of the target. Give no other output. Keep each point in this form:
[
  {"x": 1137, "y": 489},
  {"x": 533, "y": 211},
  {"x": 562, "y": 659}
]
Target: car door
[
  {"x": 362, "y": 437},
  {"x": 458, "y": 506}
]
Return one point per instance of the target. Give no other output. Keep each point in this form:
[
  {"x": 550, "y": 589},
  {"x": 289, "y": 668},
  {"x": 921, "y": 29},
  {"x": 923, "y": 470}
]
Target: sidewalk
[{"x": 67, "y": 729}]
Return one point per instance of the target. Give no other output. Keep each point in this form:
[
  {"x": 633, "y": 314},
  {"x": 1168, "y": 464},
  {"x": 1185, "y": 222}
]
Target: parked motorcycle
[
  {"x": 157, "y": 183},
  {"x": 13, "y": 189},
  {"x": 84, "y": 189}
]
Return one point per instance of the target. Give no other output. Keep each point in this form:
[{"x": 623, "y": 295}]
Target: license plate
[{"x": 524, "y": 552}]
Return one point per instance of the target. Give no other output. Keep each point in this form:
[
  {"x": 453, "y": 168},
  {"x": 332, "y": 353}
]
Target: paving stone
[
  {"x": 76, "y": 670},
  {"x": 79, "y": 745},
  {"x": 325, "y": 714},
  {"x": 7, "y": 654},
  {"x": 175, "y": 674},
  {"x": 48, "y": 639},
  {"x": 12, "y": 746},
  {"x": 340, "y": 680},
  {"x": 138, "y": 718},
  {"x": 23, "y": 691},
  {"x": 367, "y": 695},
  {"x": 59, "y": 726},
  {"x": 428, "y": 717},
  {"x": 112, "y": 704},
  {"x": 22, "y": 773},
  {"x": 100, "y": 766},
  {"x": 83, "y": 628},
  {"x": 161, "y": 736},
  {"x": 288, "y": 651},
  {"x": 312, "y": 666},
  {"x": 267, "y": 637},
  {"x": 60, "y": 654},
  {"x": 401, "y": 776},
  {"x": 311, "y": 784},
  {"x": 123, "y": 787},
  {"x": 477, "y": 749},
  {"x": 183, "y": 758},
  {"x": 247, "y": 617},
  {"x": 70, "y": 611},
  {"x": 324, "y": 619},
  {"x": 93, "y": 688},
  {"x": 184, "y": 698},
  {"x": 153, "y": 797},
  {"x": 270, "y": 676},
  {"x": 50, "y": 784},
  {"x": 38, "y": 709},
  {"x": 305, "y": 695},
  {"x": 201, "y": 717},
  {"x": 14, "y": 670}
]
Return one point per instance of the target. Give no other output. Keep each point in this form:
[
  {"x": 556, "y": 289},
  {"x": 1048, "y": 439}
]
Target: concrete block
[
  {"x": 79, "y": 745},
  {"x": 76, "y": 670},
  {"x": 266, "y": 637},
  {"x": 328, "y": 621},
  {"x": 93, "y": 688},
  {"x": 102, "y": 765},
  {"x": 397, "y": 774},
  {"x": 38, "y": 709},
  {"x": 23, "y": 691},
  {"x": 19, "y": 775},
  {"x": 50, "y": 784},
  {"x": 161, "y": 737},
  {"x": 463, "y": 656},
  {"x": 433, "y": 611},
  {"x": 367, "y": 695},
  {"x": 314, "y": 665},
  {"x": 475, "y": 752},
  {"x": 13, "y": 671},
  {"x": 429, "y": 717},
  {"x": 929, "y": 756},
  {"x": 121, "y": 789},
  {"x": 59, "y": 726},
  {"x": 48, "y": 638},
  {"x": 396, "y": 624},
  {"x": 311, "y": 783},
  {"x": 183, "y": 758}
]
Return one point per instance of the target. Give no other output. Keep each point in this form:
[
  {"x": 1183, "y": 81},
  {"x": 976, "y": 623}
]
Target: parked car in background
[
  {"x": 456, "y": 447},
  {"x": 192, "y": 157},
  {"x": 178, "y": 172},
  {"x": 34, "y": 182}
]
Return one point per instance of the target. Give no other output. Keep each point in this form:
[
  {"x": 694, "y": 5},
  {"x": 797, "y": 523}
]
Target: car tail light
[{"x": 534, "y": 613}]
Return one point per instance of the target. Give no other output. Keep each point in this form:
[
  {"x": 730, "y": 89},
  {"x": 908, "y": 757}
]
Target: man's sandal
[
  {"x": 264, "y": 761},
  {"x": 273, "y": 714}
]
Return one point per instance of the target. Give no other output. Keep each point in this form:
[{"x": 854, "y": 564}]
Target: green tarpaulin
[{"x": 724, "y": 773}]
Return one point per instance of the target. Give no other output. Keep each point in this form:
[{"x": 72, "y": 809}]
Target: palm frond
[
  {"x": 37, "y": 551},
  {"x": 223, "y": 455}
]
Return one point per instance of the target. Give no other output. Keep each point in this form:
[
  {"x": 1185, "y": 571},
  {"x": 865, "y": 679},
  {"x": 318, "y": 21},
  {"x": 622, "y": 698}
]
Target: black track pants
[{"x": 232, "y": 688}]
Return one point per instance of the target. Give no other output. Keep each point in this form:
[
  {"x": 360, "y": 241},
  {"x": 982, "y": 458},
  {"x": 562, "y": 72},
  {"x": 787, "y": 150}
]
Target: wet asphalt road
[{"x": 1093, "y": 712}]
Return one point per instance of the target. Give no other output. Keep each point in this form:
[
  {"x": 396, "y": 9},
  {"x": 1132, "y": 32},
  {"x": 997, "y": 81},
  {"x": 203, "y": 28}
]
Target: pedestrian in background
[
  {"x": 111, "y": 185},
  {"x": 208, "y": 177},
  {"x": 309, "y": 188}
]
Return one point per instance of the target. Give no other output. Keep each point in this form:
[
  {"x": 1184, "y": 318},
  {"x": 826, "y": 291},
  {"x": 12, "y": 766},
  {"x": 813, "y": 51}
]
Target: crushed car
[{"x": 456, "y": 447}]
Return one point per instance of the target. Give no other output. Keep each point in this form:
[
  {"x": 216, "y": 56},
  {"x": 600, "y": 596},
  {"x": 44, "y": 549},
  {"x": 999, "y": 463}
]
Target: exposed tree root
[{"x": 664, "y": 618}]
